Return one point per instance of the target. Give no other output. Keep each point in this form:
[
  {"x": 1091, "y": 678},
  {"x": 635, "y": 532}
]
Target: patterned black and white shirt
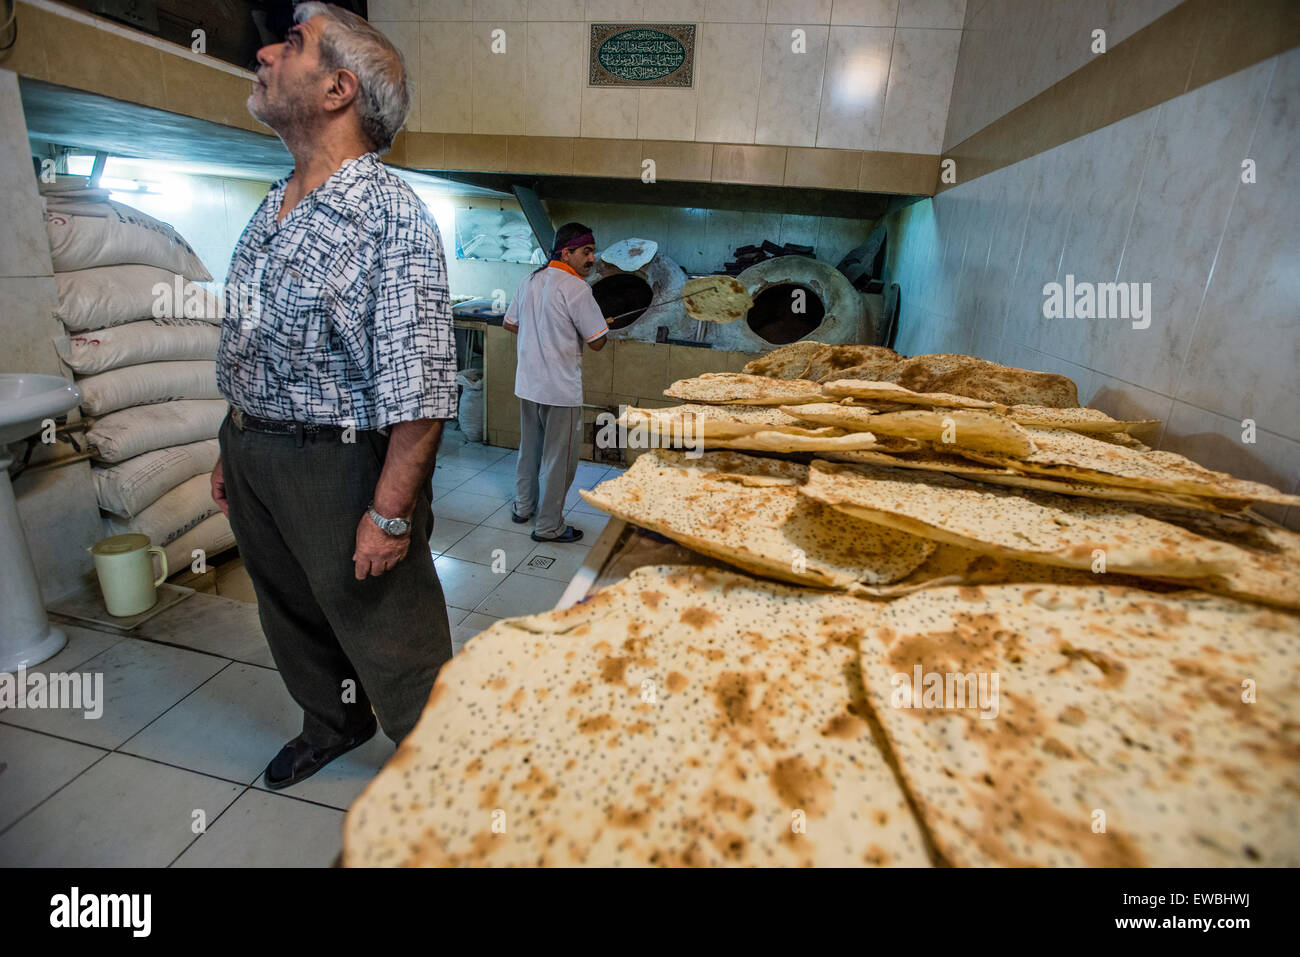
[{"x": 340, "y": 314}]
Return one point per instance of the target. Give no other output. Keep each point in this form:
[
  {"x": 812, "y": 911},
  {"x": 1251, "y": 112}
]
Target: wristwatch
[{"x": 396, "y": 527}]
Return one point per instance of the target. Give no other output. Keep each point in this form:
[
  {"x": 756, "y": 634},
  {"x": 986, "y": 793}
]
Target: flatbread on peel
[{"x": 716, "y": 299}]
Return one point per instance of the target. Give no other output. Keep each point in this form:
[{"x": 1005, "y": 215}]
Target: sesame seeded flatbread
[
  {"x": 786, "y": 362},
  {"x": 1268, "y": 566},
  {"x": 1017, "y": 524},
  {"x": 684, "y": 716},
  {"x": 823, "y": 441},
  {"x": 932, "y": 459},
  {"x": 955, "y": 428},
  {"x": 716, "y": 299},
  {"x": 1061, "y": 453},
  {"x": 1114, "y": 493},
  {"x": 756, "y": 428},
  {"x": 1120, "y": 438},
  {"x": 1119, "y": 735},
  {"x": 1081, "y": 419},
  {"x": 737, "y": 388},
  {"x": 954, "y": 565},
  {"x": 695, "y": 420},
  {"x": 747, "y": 511},
  {"x": 889, "y": 391}
]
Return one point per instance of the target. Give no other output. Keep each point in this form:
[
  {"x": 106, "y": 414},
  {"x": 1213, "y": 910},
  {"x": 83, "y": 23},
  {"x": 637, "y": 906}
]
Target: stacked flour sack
[{"x": 141, "y": 336}]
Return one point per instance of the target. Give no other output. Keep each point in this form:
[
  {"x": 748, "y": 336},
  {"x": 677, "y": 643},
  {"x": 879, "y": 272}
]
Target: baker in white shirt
[{"x": 553, "y": 313}]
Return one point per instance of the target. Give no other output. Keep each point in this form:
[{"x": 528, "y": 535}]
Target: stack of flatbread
[
  {"x": 962, "y": 375},
  {"x": 695, "y": 717},
  {"x": 990, "y": 627},
  {"x": 1212, "y": 553},
  {"x": 681, "y": 717}
]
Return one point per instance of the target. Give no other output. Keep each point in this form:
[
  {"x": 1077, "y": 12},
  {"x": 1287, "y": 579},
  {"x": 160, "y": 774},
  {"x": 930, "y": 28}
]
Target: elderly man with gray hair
[{"x": 338, "y": 359}]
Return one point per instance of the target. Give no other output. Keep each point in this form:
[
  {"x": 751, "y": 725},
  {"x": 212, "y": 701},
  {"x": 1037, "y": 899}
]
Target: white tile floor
[{"x": 193, "y": 707}]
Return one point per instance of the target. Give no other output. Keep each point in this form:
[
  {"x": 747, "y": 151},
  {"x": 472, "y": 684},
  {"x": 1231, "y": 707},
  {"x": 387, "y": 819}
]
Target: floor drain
[{"x": 541, "y": 561}]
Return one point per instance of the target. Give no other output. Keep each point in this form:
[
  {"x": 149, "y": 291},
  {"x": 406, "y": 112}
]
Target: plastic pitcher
[{"x": 124, "y": 564}]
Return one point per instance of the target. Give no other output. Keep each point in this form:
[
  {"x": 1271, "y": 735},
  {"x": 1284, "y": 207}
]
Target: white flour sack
[
  {"x": 213, "y": 535},
  {"x": 119, "y": 234},
  {"x": 111, "y": 295},
  {"x": 136, "y": 343},
  {"x": 176, "y": 513},
  {"x": 148, "y": 384},
  {"x": 120, "y": 436},
  {"x": 130, "y": 487}
]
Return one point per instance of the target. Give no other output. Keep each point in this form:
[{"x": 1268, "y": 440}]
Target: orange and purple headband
[{"x": 577, "y": 242}]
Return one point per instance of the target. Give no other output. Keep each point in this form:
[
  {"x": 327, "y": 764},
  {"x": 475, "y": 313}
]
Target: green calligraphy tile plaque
[{"x": 642, "y": 54}]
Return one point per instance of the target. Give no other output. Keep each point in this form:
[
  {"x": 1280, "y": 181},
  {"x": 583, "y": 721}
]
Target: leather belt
[{"x": 251, "y": 423}]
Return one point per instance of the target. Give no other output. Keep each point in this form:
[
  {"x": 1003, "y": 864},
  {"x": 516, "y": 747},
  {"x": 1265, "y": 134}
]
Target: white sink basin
[
  {"x": 26, "y": 638},
  {"x": 27, "y": 399}
]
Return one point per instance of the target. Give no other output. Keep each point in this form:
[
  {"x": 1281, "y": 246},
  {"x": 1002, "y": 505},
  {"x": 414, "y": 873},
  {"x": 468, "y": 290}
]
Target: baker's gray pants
[
  {"x": 294, "y": 508},
  {"x": 550, "y": 440}
]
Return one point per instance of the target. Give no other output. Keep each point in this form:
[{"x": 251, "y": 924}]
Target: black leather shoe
[
  {"x": 517, "y": 518},
  {"x": 298, "y": 760},
  {"x": 570, "y": 534}
]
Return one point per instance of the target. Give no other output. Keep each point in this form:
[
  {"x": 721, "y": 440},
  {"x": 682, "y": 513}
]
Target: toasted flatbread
[
  {"x": 692, "y": 420},
  {"x": 917, "y": 372},
  {"x": 1019, "y": 524},
  {"x": 786, "y": 362},
  {"x": 1125, "y": 728},
  {"x": 747, "y": 511},
  {"x": 891, "y": 392},
  {"x": 955, "y": 428},
  {"x": 873, "y": 370},
  {"x": 757, "y": 428},
  {"x": 826, "y": 363},
  {"x": 981, "y": 379},
  {"x": 738, "y": 388},
  {"x": 1268, "y": 569},
  {"x": 684, "y": 716},
  {"x": 823, "y": 441},
  {"x": 1081, "y": 419},
  {"x": 931, "y": 459},
  {"x": 954, "y": 565},
  {"x": 1061, "y": 453}
]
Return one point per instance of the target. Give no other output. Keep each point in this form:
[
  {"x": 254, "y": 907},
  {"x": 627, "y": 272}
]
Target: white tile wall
[
  {"x": 555, "y": 73},
  {"x": 729, "y": 60},
  {"x": 879, "y": 78},
  {"x": 445, "y": 71},
  {"x": 853, "y": 93},
  {"x": 793, "y": 67},
  {"x": 498, "y": 76},
  {"x": 920, "y": 83},
  {"x": 1158, "y": 198},
  {"x": 865, "y": 13}
]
